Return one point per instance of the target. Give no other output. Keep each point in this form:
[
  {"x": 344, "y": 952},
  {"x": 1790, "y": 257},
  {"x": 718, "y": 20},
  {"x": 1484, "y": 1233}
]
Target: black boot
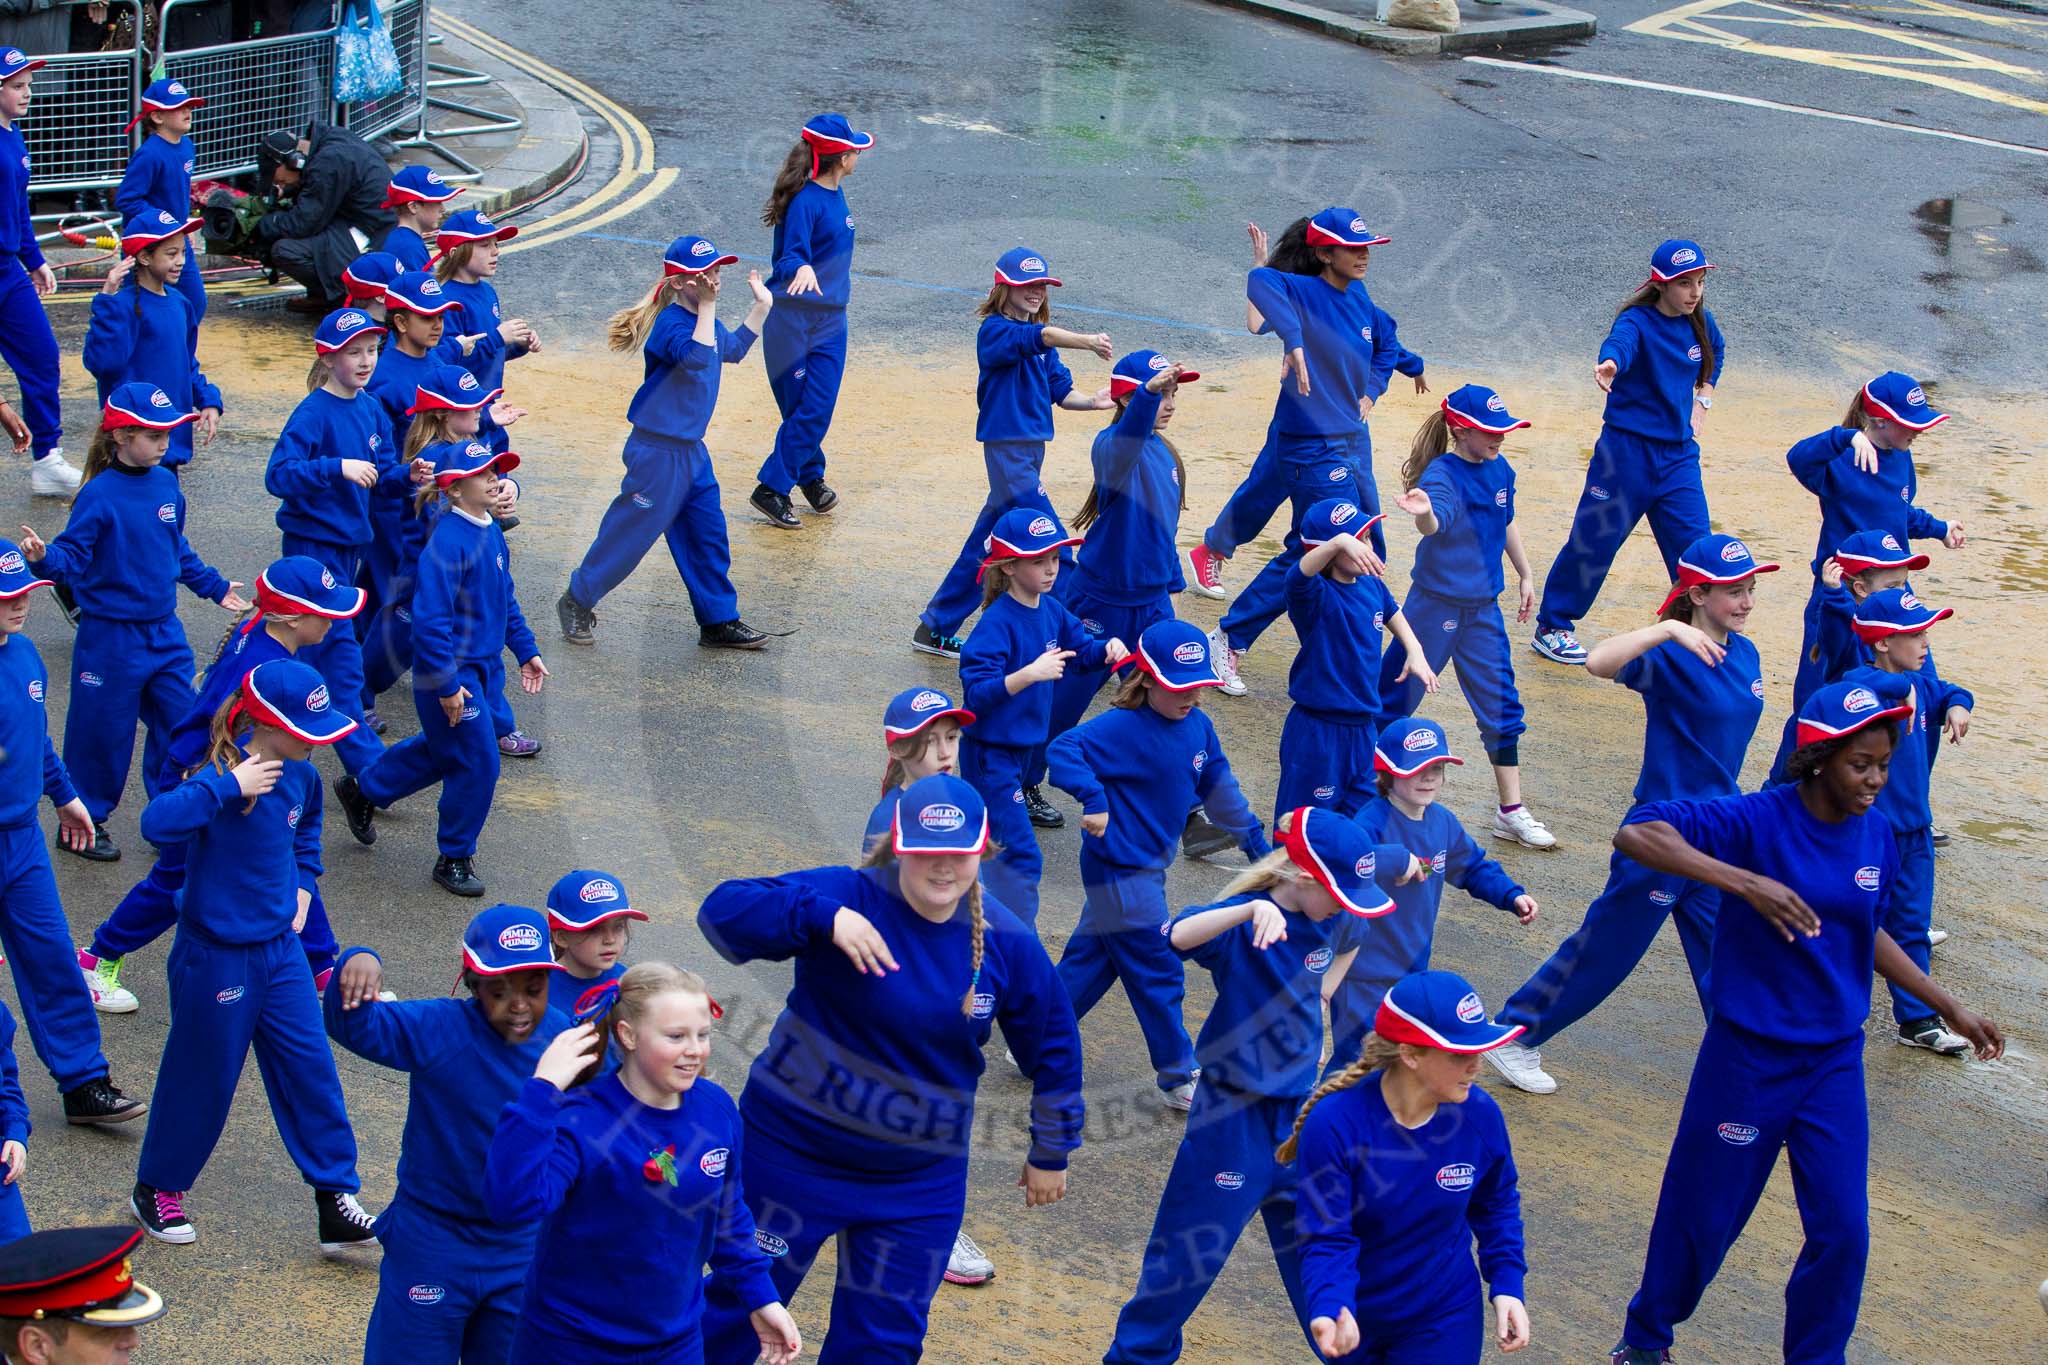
[
  {"x": 820, "y": 496},
  {"x": 1042, "y": 812},
  {"x": 1201, "y": 839},
  {"x": 579, "y": 623},
  {"x": 102, "y": 849},
  {"x": 459, "y": 876},
  {"x": 101, "y": 1102},
  {"x": 733, "y": 634},
  {"x": 775, "y": 507},
  {"x": 358, "y": 808},
  {"x": 344, "y": 1224}
]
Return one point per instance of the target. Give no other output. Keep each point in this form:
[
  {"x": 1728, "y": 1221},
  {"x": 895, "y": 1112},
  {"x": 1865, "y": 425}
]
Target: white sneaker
[
  {"x": 1225, "y": 658},
  {"x": 1559, "y": 646},
  {"x": 388, "y": 997},
  {"x": 1523, "y": 1067},
  {"x": 53, "y": 476},
  {"x": 1936, "y": 1038},
  {"x": 1524, "y": 828},
  {"x": 967, "y": 1264},
  {"x": 1181, "y": 1098},
  {"x": 103, "y": 981},
  {"x": 1936, "y": 937}
]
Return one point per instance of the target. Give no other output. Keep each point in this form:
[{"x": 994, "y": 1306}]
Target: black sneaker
[
  {"x": 775, "y": 507},
  {"x": 459, "y": 876},
  {"x": 358, "y": 808},
  {"x": 508, "y": 522},
  {"x": 101, "y": 1102},
  {"x": 1937, "y": 836},
  {"x": 579, "y": 622},
  {"x": 102, "y": 849},
  {"x": 1201, "y": 839},
  {"x": 1043, "y": 813},
  {"x": 344, "y": 1224},
  {"x": 820, "y": 496},
  {"x": 731, "y": 635},
  {"x": 67, "y": 603},
  {"x": 1625, "y": 1354},
  {"x": 162, "y": 1214},
  {"x": 925, "y": 640}
]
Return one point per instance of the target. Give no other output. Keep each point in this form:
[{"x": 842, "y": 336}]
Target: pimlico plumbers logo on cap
[
  {"x": 12, "y": 562},
  {"x": 350, "y": 320},
  {"x": 430, "y": 287},
  {"x": 1917, "y": 396},
  {"x": 1342, "y": 513},
  {"x": 1419, "y": 740},
  {"x": 944, "y": 818},
  {"x": 1041, "y": 526},
  {"x": 1157, "y": 362},
  {"x": 1358, "y": 226},
  {"x": 468, "y": 381},
  {"x": 1906, "y": 599},
  {"x": 1868, "y": 878},
  {"x": 316, "y": 700},
  {"x": 701, "y": 248},
  {"x": 1685, "y": 255},
  {"x": 1496, "y": 404},
  {"x": 598, "y": 889},
  {"x": 1456, "y": 1177},
  {"x": 1031, "y": 263},
  {"x": 1735, "y": 550},
  {"x": 519, "y": 938},
  {"x": 1890, "y": 542},
  {"x": 1192, "y": 652},
  {"x": 1365, "y": 865},
  {"x": 927, "y": 700},
  {"x": 159, "y": 399},
  {"x": 175, "y": 88},
  {"x": 1859, "y": 700},
  {"x": 1470, "y": 1009}
]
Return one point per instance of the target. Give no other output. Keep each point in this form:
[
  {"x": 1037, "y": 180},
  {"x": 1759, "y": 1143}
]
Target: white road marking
[{"x": 961, "y": 125}]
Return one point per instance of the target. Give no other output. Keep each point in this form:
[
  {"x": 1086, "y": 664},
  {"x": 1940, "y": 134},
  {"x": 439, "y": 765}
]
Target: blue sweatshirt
[
  {"x": 409, "y": 247},
  {"x": 304, "y": 474},
  {"x": 816, "y": 230},
  {"x": 1147, "y": 772},
  {"x": 464, "y": 610},
  {"x": 192, "y": 736},
  {"x": 1387, "y": 1215},
  {"x": 1336, "y": 672},
  {"x": 1851, "y": 500},
  {"x": 1659, "y": 366},
  {"x": 878, "y": 1074},
  {"x": 1022, "y": 380},
  {"x": 1130, "y": 557},
  {"x": 1813, "y": 991},
  {"x": 1349, "y": 342},
  {"x": 1008, "y": 636},
  {"x": 1474, "y": 506},
  {"x": 14, "y": 1124},
  {"x": 159, "y": 176},
  {"x": 17, "y": 233},
  {"x": 143, "y": 337},
  {"x": 395, "y": 385},
  {"x": 1697, "y": 720},
  {"x": 1904, "y": 801},
  {"x": 1836, "y": 646},
  {"x": 124, "y": 552},
  {"x": 680, "y": 388},
  {"x": 638, "y": 1202},
  {"x": 477, "y": 313},
  {"x": 461, "y": 1075},
  {"x": 243, "y": 869},
  {"x": 29, "y": 766}
]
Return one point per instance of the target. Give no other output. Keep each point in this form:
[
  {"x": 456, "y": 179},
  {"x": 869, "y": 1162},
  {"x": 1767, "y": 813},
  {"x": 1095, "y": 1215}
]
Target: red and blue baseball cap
[
  {"x": 13, "y": 61},
  {"x": 418, "y": 185},
  {"x": 1867, "y": 550},
  {"x": 366, "y": 278},
  {"x": 342, "y": 326},
  {"x": 1842, "y": 708},
  {"x": 455, "y": 460},
  {"x": 140, "y": 404},
  {"x": 1478, "y": 408},
  {"x": 832, "y": 135},
  {"x": 1677, "y": 258},
  {"x": 1439, "y": 1010},
  {"x": 1343, "y": 227},
  {"x": 1333, "y": 517},
  {"x": 416, "y": 291},
  {"x": 1895, "y": 611},
  {"x": 449, "y": 388},
  {"x": 939, "y": 814},
  {"x": 916, "y": 709},
  {"x": 150, "y": 226},
  {"x": 1900, "y": 398},
  {"x": 584, "y": 899},
  {"x": 1025, "y": 533},
  {"x": 1020, "y": 265},
  {"x": 688, "y": 255},
  {"x": 1411, "y": 744},
  {"x": 16, "y": 577},
  {"x": 1135, "y": 371},
  {"x": 161, "y": 97},
  {"x": 299, "y": 585},
  {"x": 1174, "y": 654},
  {"x": 1340, "y": 856},
  {"x": 293, "y": 697},
  {"x": 508, "y": 938},
  {"x": 1714, "y": 559},
  {"x": 467, "y": 226}
]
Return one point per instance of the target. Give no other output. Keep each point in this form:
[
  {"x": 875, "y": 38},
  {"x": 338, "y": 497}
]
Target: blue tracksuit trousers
[
  {"x": 387, "y": 644},
  {"x": 1311, "y": 468},
  {"x": 339, "y": 657},
  {"x": 1474, "y": 637},
  {"x": 447, "y": 1291},
  {"x": 1118, "y": 939},
  {"x": 1014, "y": 474},
  {"x": 14, "y": 1224},
  {"x": 121, "y": 672},
  {"x": 150, "y": 909},
  {"x": 670, "y": 492},
  {"x": 805, "y": 350},
  {"x": 1077, "y": 686},
  {"x": 1325, "y": 760},
  {"x": 1223, "y": 1173},
  {"x": 55, "y": 1007},
  {"x": 30, "y": 349},
  {"x": 1618, "y": 929},
  {"x": 1909, "y": 913},
  {"x": 996, "y": 771},
  {"x": 463, "y": 758},
  {"x": 225, "y": 999},
  {"x": 1630, "y": 478},
  {"x": 1251, "y": 504},
  {"x": 1749, "y": 1098}
]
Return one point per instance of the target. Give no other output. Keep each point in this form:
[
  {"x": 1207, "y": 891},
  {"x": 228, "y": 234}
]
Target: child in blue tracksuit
[
  {"x": 1340, "y": 350},
  {"x": 124, "y": 553},
  {"x": 27, "y": 343},
  {"x": 635, "y": 1179},
  {"x": 297, "y": 601},
  {"x": 1894, "y": 625},
  {"x": 1024, "y": 641},
  {"x": 1659, "y": 365},
  {"x": 588, "y": 914},
  {"x": 921, "y": 731},
  {"x": 1409, "y": 759},
  {"x": 466, "y": 263},
  {"x": 159, "y": 175},
  {"x": 1339, "y": 607},
  {"x": 860, "y": 1109},
  {"x": 1022, "y": 380},
  {"x": 238, "y": 977},
  {"x": 417, "y": 196},
  {"x": 1805, "y": 871},
  {"x": 149, "y": 334},
  {"x": 1282, "y": 931},
  {"x": 1702, "y": 687},
  {"x": 14, "y": 1131},
  {"x": 452, "y": 1277},
  {"x": 54, "y": 1005},
  {"x": 1403, "y": 1165},
  {"x": 804, "y": 343},
  {"x": 465, "y": 616},
  {"x": 1864, "y": 564},
  {"x": 1464, "y": 508},
  {"x": 671, "y": 490},
  {"x": 1137, "y": 769}
]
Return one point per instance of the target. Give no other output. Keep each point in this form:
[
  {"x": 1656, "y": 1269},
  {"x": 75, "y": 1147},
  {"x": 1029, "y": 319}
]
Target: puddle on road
[{"x": 1965, "y": 235}]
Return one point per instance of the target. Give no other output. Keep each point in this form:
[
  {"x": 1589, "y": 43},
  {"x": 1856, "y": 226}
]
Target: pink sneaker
[
  {"x": 1205, "y": 569},
  {"x": 518, "y": 744}
]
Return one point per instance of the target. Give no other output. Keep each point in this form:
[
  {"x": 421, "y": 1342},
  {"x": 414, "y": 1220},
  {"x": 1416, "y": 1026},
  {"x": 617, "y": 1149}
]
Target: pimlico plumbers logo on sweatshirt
[
  {"x": 167, "y": 513},
  {"x": 1456, "y": 1177},
  {"x": 712, "y": 1163},
  {"x": 770, "y": 1244},
  {"x": 1230, "y": 1180},
  {"x": 1319, "y": 960},
  {"x": 35, "y": 689},
  {"x": 1737, "y": 1134}
]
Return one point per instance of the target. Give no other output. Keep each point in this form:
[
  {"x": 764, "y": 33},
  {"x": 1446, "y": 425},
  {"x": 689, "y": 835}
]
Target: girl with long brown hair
[{"x": 150, "y": 333}]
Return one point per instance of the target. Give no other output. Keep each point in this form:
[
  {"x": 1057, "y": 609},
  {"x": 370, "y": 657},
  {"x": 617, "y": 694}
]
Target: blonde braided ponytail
[
  {"x": 975, "y": 918},
  {"x": 1376, "y": 1054}
]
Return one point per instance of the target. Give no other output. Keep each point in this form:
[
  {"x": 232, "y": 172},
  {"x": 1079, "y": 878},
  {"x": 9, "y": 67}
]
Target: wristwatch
[{"x": 1705, "y": 400}]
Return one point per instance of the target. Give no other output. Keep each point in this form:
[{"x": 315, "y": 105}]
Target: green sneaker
[{"x": 103, "y": 980}]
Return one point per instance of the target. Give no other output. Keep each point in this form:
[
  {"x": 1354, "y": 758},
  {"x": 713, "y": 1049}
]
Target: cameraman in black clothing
[{"x": 335, "y": 183}]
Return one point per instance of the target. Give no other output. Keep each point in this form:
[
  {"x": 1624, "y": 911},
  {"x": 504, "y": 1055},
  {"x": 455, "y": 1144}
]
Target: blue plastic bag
[{"x": 365, "y": 59}]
